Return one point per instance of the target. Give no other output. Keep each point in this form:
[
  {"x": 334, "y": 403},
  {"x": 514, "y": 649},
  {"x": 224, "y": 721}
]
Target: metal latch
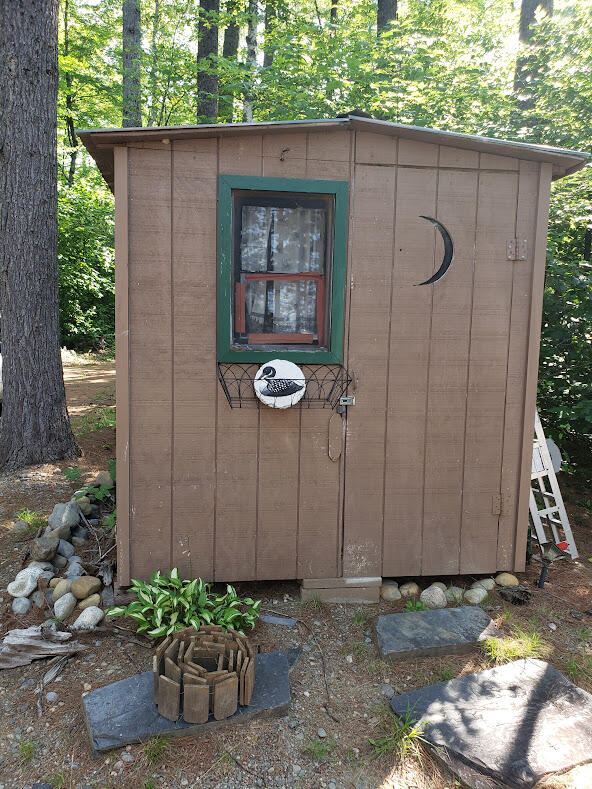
[
  {"x": 517, "y": 248},
  {"x": 347, "y": 400}
]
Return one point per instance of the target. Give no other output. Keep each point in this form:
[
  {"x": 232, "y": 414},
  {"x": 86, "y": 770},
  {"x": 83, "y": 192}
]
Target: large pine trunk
[
  {"x": 207, "y": 50},
  {"x": 35, "y": 425},
  {"x": 229, "y": 53},
  {"x": 386, "y": 12},
  {"x": 131, "y": 64}
]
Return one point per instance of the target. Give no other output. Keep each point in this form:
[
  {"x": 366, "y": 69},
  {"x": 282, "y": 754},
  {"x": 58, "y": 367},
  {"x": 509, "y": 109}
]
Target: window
[{"x": 281, "y": 269}]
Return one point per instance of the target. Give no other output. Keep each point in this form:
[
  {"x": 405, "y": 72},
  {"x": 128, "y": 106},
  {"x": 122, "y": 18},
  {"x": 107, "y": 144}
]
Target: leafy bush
[
  {"x": 167, "y": 604},
  {"x": 415, "y": 605}
]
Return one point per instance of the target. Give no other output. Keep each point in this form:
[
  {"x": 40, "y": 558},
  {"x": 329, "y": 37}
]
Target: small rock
[
  {"x": 410, "y": 589},
  {"x": 576, "y": 615},
  {"x": 368, "y": 640},
  {"x": 433, "y": 597},
  {"x": 64, "y": 517},
  {"x": 27, "y": 683},
  {"x": 79, "y": 541},
  {"x": 38, "y": 599},
  {"x": 552, "y": 626},
  {"x": 387, "y": 691},
  {"x": 47, "y": 575},
  {"x": 25, "y": 582},
  {"x": 52, "y": 696},
  {"x": 322, "y": 733},
  {"x": 54, "y": 582},
  {"x": 60, "y": 561},
  {"x": 88, "y": 619},
  {"x": 296, "y": 768},
  {"x": 127, "y": 757},
  {"x": 440, "y": 585},
  {"x": 66, "y": 549},
  {"x": 41, "y": 565},
  {"x": 21, "y": 527},
  {"x": 81, "y": 532},
  {"x": 74, "y": 570},
  {"x": 86, "y": 687},
  {"x": 64, "y": 606},
  {"x": 21, "y": 606},
  {"x": 349, "y": 659},
  {"x": 61, "y": 588},
  {"x": 506, "y": 579},
  {"x": 44, "y": 548},
  {"x": 306, "y": 648},
  {"x": 486, "y": 583},
  {"x": 85, "y": 586},
  {"x": 390, "y": 591},
  {"x": 93, "y": 599},
  {"x": 293, "y": 724},
  {"x": 84, "y": 504},
  {"x": 475, "y": 596},
  {"x": 103, "y": 478},
  {"x": 454, "y": 594}
]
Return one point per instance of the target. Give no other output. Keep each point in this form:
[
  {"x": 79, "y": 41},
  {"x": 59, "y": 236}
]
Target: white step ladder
[{"x": 547, "y": 510}]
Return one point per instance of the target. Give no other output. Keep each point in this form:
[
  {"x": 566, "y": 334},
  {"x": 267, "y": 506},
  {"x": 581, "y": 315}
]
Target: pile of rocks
[
  {"x": 438, "y": 595},
  {"x": 54, "y": 554}
]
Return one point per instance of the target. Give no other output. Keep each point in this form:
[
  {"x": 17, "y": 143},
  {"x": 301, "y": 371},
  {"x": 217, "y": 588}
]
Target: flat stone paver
[
  {"x": 124, "y": 712},
  {"x": 445, "y": 631},
  {"x": 507, "y": 726}
]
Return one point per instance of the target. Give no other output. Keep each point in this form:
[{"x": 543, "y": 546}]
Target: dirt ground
[{"x": 43, "y": 740}]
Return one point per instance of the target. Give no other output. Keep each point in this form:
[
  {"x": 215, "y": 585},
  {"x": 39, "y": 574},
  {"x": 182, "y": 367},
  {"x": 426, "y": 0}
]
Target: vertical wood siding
[{"x": 445, "y": 374}]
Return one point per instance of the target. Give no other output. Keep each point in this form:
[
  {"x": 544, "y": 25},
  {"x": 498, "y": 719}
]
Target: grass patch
[
  {"x": 150, "y": 783},
  {"x": 520, "y": 644},
  {"x": 58, "y": 780},
  {"x": 415, "y": 605},
  {"x": 578, "y": 668},
  {"x": 26, "y": 751},
  {"x": 155, "y": 749},
  {"x": 312, "y": 605},
  {"x": 358, "y": 648},
  {"x": 96, "y": 419},
  {"x": 34, "y": 519},
  {"x": 445, "y": 674},
  {"x": 400, "y": 736},
  {"x": 320, "y": 750},
  {"x": 361, "y": 617}
]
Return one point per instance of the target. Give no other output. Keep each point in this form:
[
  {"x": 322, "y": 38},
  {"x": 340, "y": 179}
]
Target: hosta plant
[{"x": 167, "y": 603}]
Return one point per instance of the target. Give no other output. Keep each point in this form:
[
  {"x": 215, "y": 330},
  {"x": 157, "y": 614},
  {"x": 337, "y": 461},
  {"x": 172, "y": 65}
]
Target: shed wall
[{"x": 439, "y": 435}]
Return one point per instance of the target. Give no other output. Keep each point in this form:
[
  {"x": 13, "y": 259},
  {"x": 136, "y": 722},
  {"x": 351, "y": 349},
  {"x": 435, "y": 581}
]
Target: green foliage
[
  {"x": 96, "y": 419},
  {"x": 112, "y": 469},
  {"x": 26, "y": 751},
  {"x": 110, "y": 520},
  {"x": 415, "y": 605},
  {"x": 167, "y": 604},
  {"x": 72, "y": 473},
  {"x": 34, "y": 519},
  {"x": 361, "y": 617},
  {"x": 320, "y": 750},
  {"x": 400, "y": 736},
  {"x": 155, "y": 749}
]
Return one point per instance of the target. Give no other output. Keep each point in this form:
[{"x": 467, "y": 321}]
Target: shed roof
[{"x": 100, "y": 142}]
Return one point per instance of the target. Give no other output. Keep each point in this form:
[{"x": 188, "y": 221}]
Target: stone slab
[
  {"x": 507, "y": 726},
  {"x": 287, "y": 621},
  {"x": 124, "y": 712},
  {"x": 333, "y": 583},
  {"x": 445, "y": 631},
  {"x": 343, "y": 594}
]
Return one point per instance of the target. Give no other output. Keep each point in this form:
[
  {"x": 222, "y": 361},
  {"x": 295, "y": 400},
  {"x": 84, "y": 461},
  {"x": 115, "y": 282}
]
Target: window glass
[{"x": 280, "y": 265}]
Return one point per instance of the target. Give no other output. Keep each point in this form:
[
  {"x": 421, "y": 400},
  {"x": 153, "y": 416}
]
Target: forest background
[{"x": 521, "y": 71}]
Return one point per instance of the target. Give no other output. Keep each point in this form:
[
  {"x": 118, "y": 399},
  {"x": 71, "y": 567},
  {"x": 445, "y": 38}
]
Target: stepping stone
[
  {"x": 508, "y": 726},
  {"x": 444, "y": 631},
  {"x": 124, "y": 712}
]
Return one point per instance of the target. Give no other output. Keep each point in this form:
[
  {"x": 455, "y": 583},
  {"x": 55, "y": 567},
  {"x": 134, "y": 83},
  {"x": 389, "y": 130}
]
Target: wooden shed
[{"x": 308, "y": 241}]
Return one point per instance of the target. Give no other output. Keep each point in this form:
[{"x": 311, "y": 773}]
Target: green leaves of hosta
[{"x": 166, "y": 604}]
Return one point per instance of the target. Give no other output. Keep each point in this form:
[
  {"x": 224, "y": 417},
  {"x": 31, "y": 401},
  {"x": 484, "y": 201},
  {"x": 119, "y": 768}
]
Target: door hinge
[
  {"x": 517, "y": 248},
  {"x": 496, "y": 504}
]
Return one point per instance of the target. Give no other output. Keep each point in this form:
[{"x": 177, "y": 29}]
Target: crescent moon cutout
[{"x": 448, "y": 252}]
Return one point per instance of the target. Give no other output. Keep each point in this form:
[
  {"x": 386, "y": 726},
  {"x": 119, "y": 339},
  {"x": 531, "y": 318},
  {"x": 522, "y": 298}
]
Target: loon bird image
[
  {"x": 278, "y": 387},
  {"x": 279, "y": 383}
]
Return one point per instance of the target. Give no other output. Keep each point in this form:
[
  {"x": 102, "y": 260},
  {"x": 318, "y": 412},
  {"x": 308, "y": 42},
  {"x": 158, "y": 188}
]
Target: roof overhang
[{"x": 100, "y": 142}]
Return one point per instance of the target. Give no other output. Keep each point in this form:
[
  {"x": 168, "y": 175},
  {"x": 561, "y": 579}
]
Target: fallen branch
[{"x": 22, "y": 646}]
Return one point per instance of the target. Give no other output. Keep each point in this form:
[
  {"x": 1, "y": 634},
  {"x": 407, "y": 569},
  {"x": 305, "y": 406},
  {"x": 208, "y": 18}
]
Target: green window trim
[{"x": 226, "y": 183}]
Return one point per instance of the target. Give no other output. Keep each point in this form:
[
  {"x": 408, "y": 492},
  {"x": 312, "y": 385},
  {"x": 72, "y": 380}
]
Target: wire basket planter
[{"x": 325, "y": 384}]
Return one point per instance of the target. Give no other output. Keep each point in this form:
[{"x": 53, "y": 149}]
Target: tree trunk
[
  {"x": 270, "y": 20},
  {"x": 154, "y": 64},
  {"x": 132, "y": 50},
  {"x": 333, "y": 13},
  {"x": 35, "y": 425},
  {"x": 229, "y": 53},
  {"x": 207, "y": 51},
  {"x": 386, "y": 12},
  {"x": 525, "y": 71},
  {"x": 251, "y": 60},
  {"x": 70, "y": 127}
]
